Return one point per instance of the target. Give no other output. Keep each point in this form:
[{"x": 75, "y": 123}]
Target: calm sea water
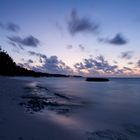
[{"x": 113, "y": 105}]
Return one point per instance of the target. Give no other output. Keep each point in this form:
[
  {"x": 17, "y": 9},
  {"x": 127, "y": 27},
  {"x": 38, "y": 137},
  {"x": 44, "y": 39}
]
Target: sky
[{"x": 82, "y": 37}]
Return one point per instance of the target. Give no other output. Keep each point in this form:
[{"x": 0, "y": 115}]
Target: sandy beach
[{"x": 17, "y": 124}]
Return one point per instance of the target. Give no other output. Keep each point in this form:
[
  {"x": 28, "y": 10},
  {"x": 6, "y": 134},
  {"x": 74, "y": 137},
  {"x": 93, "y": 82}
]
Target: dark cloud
[
  {"x": 79, "y": 66},
  {"x": 130, "y": 63},
  {"x": 138, "y": 63},
  {"x": 79, "y": 25},
  {"x": 127, "y": 55},
  {"x": 40, "y": 55},
  {"x": 115, "y": 62},
  {"x": 127, "y": 69},
  {"x": 118, "y": 39},
  {"x": 82, "y": 48},
  {"x": 97, "y": 65},
  {"x": 25, "y": 65},
  {"x": 29, "y": 41},
  {"x": 13, "y": 27},
  {"x": 18, "y": 46},
  {"x": 30, "y": 61},
  {"x": 10, "y": 27},
  {"x": 51, "y": 64}
]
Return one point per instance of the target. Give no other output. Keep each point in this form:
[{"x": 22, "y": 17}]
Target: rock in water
[{"x": 90, "y": 79}]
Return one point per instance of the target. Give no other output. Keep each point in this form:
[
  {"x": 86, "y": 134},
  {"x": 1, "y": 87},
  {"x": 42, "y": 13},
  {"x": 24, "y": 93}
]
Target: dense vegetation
[{"x": 9, "y": 68}]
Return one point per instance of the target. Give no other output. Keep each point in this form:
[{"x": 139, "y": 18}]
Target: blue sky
[{"x": 87, "y": 37}]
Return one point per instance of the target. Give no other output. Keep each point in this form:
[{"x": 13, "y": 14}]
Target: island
[{"x": 93, "y": 79}]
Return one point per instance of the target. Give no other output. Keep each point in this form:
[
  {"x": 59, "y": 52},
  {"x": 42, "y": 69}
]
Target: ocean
[{"x": 104, "y": 110}]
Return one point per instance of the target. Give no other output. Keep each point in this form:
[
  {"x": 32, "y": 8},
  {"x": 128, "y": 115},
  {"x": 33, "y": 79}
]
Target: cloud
[
  {"x": 30, "y": 61},
  {"x": 79, "y": 66},
  {"x": 82, "y": 48},
  {"x": 138, "y": 63},
  {"x": 25, "y": 65},
  {"x": 115, "y": 62},
  {"x": 18, "y": 46},
  {"x": 127, "y": 69},
  {"x": 51, "y": 64},
  {"x": 10, "y": 27},
  {"x": 69, "y": 46},
  {"x": 40, "y": 55},
  {"x": 13, "y": 27},
  {"x": 54, "y": 65},
  {"x": 99, "y": 66},
  {"x": 29, "y": 41},
  {"x": 81, "y": 25},
  {"x": 127, "y": 55},
  {"x": 118, "y": 39},
  {"x": 130, "y": 63},
  {"x": 96, "y": 66}
]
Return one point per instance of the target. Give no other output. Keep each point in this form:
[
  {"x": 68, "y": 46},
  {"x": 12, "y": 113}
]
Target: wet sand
[{"x": 17, "y": 124}]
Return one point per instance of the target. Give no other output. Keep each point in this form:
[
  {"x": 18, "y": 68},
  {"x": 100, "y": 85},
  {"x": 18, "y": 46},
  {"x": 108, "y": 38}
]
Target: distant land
[{"x": 9, "y": 68}]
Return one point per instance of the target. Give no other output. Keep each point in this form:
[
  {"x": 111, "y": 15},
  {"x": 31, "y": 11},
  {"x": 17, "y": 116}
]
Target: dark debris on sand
[
  {"x": 34, "y": 102},
  {"x": 106, "y": 135}
]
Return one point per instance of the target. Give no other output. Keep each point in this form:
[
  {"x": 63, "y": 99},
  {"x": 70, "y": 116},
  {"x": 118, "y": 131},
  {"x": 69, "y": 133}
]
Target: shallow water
[{"x": 109, "y": 108}]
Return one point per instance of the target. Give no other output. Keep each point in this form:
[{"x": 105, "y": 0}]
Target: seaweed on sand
[
  {"x": 62, "y": 96},
  {"x": 106, "y": 135},
  {"x": 35, "y": 101}
]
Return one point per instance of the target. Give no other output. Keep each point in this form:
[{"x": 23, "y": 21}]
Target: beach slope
[{"x": 17, "y": 124}]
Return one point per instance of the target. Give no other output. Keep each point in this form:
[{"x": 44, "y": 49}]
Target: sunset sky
[{"x": 86, "y": 37}]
